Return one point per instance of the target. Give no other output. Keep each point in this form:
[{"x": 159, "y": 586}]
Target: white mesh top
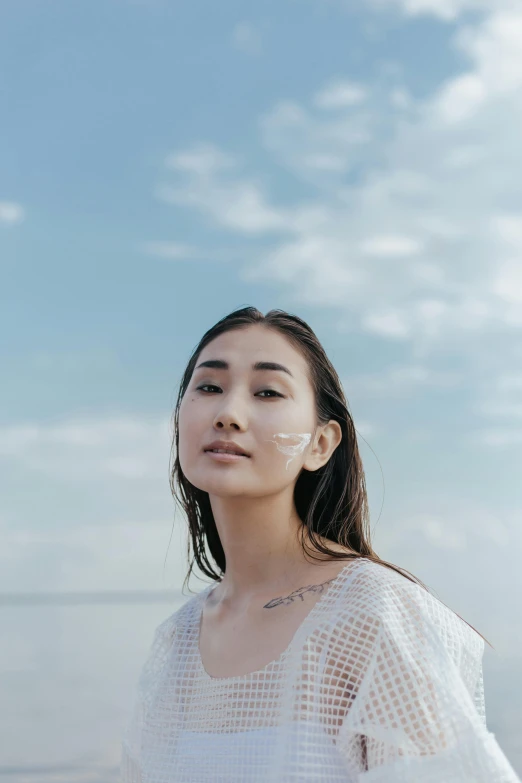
[{"x": 381, "y": 683}]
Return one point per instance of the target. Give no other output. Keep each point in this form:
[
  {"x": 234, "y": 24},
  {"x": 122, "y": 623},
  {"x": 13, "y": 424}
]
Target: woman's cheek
[{"x": 291, "y": 444}]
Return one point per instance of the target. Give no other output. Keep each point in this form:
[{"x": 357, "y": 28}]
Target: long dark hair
[{"x": 331, "y": 501}]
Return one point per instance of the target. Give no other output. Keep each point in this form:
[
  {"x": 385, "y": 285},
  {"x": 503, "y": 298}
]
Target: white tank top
[{"x": 314, "y": 756}]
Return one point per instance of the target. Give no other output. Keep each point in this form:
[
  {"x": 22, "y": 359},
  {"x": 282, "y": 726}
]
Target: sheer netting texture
[{"x": 381, "y": 683}]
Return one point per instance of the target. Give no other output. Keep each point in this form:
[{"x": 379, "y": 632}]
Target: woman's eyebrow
[{"x": 221, "y": 364}]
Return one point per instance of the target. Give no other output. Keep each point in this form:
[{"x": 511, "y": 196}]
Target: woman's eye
[
  {"x": 207, "y": 386},
  {"x": 211, "y": 386},
  {"x": 272, "y": 391}
]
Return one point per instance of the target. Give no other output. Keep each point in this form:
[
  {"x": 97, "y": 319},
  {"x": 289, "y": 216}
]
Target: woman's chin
[{"x": 221, "y": 486}]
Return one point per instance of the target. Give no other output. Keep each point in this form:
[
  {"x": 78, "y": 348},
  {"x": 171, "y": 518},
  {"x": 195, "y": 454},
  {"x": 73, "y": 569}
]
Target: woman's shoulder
[
  {"x": 394, "y": 600},
  {"x": 182, "y": 615}
]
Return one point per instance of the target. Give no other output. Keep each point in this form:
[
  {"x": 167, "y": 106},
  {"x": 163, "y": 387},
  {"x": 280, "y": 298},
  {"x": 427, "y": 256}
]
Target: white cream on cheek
[{"x": 304, "y": 439}]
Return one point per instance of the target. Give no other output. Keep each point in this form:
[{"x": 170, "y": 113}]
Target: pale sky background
[{"x": 163, "y": 163}]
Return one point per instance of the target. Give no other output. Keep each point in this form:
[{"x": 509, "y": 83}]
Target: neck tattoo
[{"x": 299, "y": 593}]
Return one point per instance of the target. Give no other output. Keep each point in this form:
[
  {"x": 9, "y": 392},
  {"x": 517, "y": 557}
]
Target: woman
[{"x": 308, "y": 658}]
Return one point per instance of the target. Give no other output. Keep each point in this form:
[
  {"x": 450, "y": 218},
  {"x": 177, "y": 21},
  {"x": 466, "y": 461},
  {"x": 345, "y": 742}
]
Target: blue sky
[{"x": 357, "y": 163}]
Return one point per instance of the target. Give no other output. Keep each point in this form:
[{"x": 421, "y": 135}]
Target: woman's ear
[{"x": 325, "y": 441}]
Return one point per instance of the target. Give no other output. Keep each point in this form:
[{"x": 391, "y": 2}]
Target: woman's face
[{"x": 269, "y": 413}]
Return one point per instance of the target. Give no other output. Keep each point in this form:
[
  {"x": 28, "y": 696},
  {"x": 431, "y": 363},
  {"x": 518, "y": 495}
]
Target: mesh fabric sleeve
[
  {"x": 419, "y": 711},
  {"x": 144, "y": 693}
]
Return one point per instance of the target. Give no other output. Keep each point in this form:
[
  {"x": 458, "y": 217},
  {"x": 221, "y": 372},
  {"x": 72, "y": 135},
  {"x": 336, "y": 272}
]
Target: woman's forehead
[{"x": 244, "y": 347}]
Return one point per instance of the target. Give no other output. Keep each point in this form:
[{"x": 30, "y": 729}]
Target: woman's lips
[{"x": 221, "y": 457}]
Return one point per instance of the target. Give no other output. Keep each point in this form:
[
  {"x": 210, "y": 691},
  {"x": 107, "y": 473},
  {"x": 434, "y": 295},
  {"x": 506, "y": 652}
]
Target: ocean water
[{"x": 67, "y": 677}]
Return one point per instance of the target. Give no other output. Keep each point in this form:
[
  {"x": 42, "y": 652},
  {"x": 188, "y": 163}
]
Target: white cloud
[
  {"x": 458, "y": 532},
  {"x": 465, "y": 156},
  {"x": 387, "y": 323},
  {"x": 401, "y": 381},
  {"x": 508, "y": 285},
  {"x": 340, "y": 94},
  {"x": 510, "y": 382},
  {"x": 390, "y": 246},
  {"x": 367, "y": 429},
  {"x": 500, "y": 437},
  {"x": 400, "y": 98},
  {"x": 172, "y": 250},
  {"x": 203, "y": 160},
  {"x": 117, "y": 555},
  {"x": 495, "y": 48},
  {"x": 415, "y": 229},
  {"x": 308, "y": 141},
  {"x": 324, "y": 161},
  {"x": 239, "y": 205},
  {"x": 246, "y": 37},
  {"x": 509, "y": 229},
  {"x": 11, "y": 213},
  {"x": 461, "y": 99},
  {"x": 85, "y": 450},
  {"x": 176, "y": 251},
  {"x": 98, "y": 513},
  {"x": 440, "y": 534},
  {"x": 506, "y": 411},
  {"x": 502, "y": 397},
  {"x": 500, "y": 401},
  {"x": 507, "y": 282},
  {"x": 447, "y": 10}
]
